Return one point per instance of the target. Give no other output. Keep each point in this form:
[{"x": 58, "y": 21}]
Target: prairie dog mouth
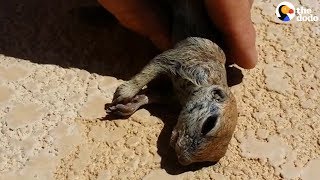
[
  {"x": 184, "y": 159},
  {"x": 183, "y": 156},
  {"x": 176, "y": 143}
]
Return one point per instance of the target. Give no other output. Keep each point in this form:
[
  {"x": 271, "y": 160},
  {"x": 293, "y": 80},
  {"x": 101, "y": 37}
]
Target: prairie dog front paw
[
  {"x": 125, "y": 92},
  {"x": 129, "y": 108}
]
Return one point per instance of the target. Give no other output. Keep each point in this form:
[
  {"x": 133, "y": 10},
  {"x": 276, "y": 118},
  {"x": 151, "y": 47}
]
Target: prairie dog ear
[{"x": 219, "y": 94}]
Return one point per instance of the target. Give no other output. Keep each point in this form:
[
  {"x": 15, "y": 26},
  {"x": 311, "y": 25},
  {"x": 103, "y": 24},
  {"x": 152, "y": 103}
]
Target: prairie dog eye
[{"x": 209, "y": 124}]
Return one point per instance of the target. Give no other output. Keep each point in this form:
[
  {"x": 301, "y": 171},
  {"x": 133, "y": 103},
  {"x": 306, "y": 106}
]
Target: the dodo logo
[{"x": 285, "y": 11}]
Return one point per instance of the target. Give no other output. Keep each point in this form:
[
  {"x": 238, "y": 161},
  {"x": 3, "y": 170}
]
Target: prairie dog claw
[{"x": 127, "y": 109}]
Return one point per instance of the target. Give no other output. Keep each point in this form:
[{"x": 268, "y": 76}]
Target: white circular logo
[{"x": 285, "y": 11}]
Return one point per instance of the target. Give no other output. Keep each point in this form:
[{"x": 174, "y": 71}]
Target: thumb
[{"x": 232, "y": 18}]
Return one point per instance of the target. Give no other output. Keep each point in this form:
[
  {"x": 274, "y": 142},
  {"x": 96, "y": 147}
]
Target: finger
[
  {"x": 250, "y": 3},
  {"x": 144, "y": 17},
  {"x": 233, "y": 19}
]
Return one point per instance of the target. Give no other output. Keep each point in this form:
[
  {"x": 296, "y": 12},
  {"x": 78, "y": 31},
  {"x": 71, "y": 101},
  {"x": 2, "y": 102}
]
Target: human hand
[{"x": 231, "y": 17}]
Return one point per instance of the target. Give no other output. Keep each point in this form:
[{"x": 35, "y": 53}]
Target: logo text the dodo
[{"x": 286, "y": 11}]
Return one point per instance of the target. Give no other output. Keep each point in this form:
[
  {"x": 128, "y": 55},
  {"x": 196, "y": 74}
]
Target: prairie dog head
[{"x": 205, "y": 126}]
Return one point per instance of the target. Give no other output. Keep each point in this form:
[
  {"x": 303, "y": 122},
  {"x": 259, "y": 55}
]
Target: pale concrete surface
[{"x": 59, "y": 65}]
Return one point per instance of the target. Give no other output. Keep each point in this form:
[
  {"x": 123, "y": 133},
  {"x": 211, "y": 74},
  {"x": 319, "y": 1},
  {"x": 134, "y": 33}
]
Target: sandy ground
[{"x": 61, "y": 61}]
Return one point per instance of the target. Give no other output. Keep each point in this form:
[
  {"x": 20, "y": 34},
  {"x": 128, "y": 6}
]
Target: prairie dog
[{"x": 196, "y": 66}]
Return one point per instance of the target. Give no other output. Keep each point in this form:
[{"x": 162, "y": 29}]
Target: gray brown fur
[{"x": 196, "y": 67}]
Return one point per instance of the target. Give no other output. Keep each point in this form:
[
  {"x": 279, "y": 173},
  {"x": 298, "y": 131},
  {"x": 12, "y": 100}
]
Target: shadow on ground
[
  {"x": 76, "y": 33},
  {"x": 169, "y": 160}
]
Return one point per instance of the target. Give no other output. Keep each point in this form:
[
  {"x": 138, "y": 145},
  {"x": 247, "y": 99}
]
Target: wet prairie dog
[{"x": 196, "y": 67}]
